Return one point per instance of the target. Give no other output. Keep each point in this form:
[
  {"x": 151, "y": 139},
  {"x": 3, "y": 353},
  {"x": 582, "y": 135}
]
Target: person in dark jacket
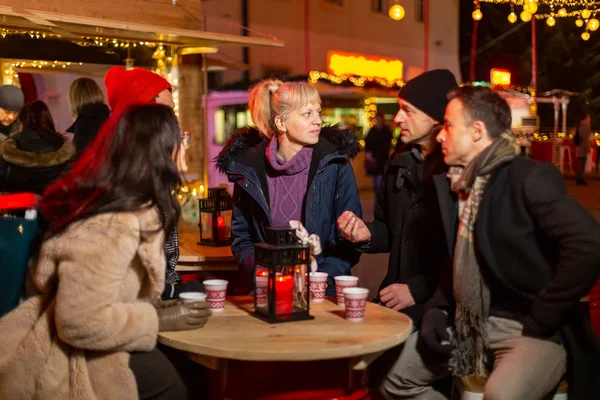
[
  {"x": 291, "y": 168},
  {"x": 407, "y": 219},
  {"x": 89, "y": 111},
  {"x": 34, "y": 158},
  {"x": 524, "y": 253},
  {"x": 377, "y": 150},
  {"x": 11, "y": 102}
]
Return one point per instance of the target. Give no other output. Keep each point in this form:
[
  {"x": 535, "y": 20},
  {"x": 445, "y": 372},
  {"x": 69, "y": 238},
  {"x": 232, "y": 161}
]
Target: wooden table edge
[{"x": 346, "y": 353}]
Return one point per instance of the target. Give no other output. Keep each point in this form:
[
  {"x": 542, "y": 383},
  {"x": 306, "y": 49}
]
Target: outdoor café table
[{"x": 256, "y": 357}]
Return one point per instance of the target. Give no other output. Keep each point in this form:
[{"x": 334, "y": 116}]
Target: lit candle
[
  {"x": 284, "y": 294},
  {"x": 221, "y": 228}
]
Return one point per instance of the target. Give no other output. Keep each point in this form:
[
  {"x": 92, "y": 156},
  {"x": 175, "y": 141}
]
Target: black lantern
[
  {"x": 215, "y": 218},
  {"x": 281, "y": 279}
]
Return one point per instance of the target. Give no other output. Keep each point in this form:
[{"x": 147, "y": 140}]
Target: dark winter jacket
[
  {"x": 88, "y": 124},
  {"x": 29, "y": 163},
  {"x": 331, "y": 190},
  {"x": 539, "y": 250},
  {"x": 378, "y": 143},
  {"x": 408, "y": 225}
]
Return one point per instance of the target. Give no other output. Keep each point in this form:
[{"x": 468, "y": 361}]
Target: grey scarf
[{"x": 471, "y": 292}]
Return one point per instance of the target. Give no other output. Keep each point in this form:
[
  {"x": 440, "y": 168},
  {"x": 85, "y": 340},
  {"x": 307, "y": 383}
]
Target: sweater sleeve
[
  {"x": 562, "y": 218},
  {"x": 93, "y": 264}
]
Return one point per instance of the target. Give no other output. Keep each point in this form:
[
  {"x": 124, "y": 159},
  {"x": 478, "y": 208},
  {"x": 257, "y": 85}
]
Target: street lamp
[{"x": 397, "y": 12}]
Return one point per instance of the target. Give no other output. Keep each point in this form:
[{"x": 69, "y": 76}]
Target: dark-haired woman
[
  {"x": 88, "y": 329},
  {"x": 35, "y": 157}
]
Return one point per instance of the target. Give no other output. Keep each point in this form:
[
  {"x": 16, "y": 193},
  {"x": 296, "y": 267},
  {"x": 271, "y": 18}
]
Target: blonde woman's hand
[{"x": 353, "y": 228}]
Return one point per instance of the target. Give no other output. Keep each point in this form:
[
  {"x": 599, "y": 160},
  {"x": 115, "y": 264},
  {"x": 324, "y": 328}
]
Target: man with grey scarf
[{"x": 524, "y": 252}]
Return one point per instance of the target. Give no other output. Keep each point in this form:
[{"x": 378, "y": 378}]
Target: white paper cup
[
  {"x": 216, "y": 291},
  {"x": 318, "y": 284},
  {"x": 262, "y": 282},
  {"x": 190, "y": 297},
  {"x": 342, "y": 282},
  {"x": 355, "y": 300}
]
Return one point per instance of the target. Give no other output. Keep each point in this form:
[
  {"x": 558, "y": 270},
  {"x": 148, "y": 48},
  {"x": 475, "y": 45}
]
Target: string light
[
  {"x": 359, "y": 81},
  {"x": 43, "y": 64}
]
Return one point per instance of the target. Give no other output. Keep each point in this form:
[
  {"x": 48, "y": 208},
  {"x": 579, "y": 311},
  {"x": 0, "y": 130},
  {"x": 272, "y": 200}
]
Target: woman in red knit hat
[{"x": 125, "y": 88}]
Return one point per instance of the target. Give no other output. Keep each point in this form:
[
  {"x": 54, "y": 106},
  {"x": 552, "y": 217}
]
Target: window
[
  {"x": 337, "y": 2},
  {"x": 379, "y": 6},
  {"x": 420, "y": 10}
]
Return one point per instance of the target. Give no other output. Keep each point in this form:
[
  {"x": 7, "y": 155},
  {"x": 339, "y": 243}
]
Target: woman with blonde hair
[
  {"x": 86, "y": 101},
  {"x": 290, "y": 167}
]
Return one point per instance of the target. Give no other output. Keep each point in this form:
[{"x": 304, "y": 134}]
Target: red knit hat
[{"x": 135, "y": 86}]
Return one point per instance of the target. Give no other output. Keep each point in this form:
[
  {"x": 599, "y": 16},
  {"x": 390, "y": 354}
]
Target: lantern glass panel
[{"x": 281, "y": 287}]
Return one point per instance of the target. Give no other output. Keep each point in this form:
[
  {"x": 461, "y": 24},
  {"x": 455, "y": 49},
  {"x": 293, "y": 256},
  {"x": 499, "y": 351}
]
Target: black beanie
[{"x": 428, "y": 92}]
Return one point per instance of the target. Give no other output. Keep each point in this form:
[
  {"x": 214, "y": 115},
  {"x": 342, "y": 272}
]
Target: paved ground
[{"x": 372, "y": 267}]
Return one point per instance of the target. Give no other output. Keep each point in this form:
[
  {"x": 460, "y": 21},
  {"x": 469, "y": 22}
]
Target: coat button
[
  {"x": 406, "y": 241},
  {"x": 413, "y": 206}
]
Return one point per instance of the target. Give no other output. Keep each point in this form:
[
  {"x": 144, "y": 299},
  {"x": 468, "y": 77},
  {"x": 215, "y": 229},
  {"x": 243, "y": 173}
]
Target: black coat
[
  {"x": 30, "y": 164},
  {"x": 378, "y": 143},
  {"x": 88, "y": 124},
  {"x": 539, "y": 251},
  {"x": 409, "y": 226}
]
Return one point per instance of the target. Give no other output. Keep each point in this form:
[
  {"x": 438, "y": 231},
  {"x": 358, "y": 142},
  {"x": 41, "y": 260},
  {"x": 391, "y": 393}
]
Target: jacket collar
[
  {"x": 12, "y": 154},
  {"x": 246, "y": 147}
]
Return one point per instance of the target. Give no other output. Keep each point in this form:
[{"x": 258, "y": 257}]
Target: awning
[{"x": 77, "y": 28}]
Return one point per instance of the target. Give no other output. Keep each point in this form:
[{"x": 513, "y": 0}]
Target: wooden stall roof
[{"x": 77, "y": 27}]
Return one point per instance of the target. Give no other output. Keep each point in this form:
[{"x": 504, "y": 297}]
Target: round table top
[
  {"x": 235, "y": 334},
  {"x": 191, "y": 251}
]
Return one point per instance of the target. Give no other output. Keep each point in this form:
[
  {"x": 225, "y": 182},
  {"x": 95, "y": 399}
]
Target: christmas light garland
[{"x": 583, "y": 10}]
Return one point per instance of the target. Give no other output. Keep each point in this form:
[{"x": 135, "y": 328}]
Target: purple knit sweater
[{"x": 287, "y": 184}]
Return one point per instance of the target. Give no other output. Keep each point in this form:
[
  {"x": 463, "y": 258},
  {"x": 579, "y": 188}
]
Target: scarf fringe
[{"x": 470, "y": 340}]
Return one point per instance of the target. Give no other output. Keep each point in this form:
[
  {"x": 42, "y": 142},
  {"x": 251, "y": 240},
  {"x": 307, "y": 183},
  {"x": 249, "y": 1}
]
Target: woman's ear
[{"x": 279, "y": 124}]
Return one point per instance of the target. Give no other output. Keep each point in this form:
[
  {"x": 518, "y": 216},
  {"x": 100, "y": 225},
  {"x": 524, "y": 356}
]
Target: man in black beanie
[
  {"x": 407, "y": 221},
  {"x": 11, "y": 102}
]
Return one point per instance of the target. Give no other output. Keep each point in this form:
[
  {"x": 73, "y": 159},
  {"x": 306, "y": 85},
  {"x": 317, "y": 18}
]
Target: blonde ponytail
[{"x": 260, "y": 105}]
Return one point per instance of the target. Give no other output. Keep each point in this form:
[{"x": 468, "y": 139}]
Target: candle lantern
[
  {"x": 215, "y": 218},
  {"x": 281, "y": 280}
]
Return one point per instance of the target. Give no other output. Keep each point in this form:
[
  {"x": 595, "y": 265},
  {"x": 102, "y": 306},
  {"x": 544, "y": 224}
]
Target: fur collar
[
  {"x": 332, "y": 140},
  {"x": 12, "y": 154}
]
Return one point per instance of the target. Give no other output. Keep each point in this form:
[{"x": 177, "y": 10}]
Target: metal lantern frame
[
  {"x": 280, "y": 257},
  {"x": 215, "y": 204}
]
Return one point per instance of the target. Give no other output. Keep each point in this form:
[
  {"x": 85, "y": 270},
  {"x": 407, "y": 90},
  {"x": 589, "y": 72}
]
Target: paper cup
[
  {"x": 342, "y": 282},
  {"x": 355, "y": 300},
  {"x": 318, "y": 284},
  {"x": 262, "y": 283},
  {"x": 190, "y": 297},
  {"x": 216, "y": 291}
]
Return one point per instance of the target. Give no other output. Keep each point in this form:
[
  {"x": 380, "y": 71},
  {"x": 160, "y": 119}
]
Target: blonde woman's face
[{"x": 303, "y": 125}]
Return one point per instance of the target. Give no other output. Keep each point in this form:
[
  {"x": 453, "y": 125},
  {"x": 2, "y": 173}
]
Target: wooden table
[
  {"x": 206, "y": 262},
  {"x": 235, "y": 337}
]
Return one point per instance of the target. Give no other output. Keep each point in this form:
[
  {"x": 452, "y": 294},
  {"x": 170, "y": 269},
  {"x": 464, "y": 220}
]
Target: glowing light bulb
[{"x": 396, "y": 12}]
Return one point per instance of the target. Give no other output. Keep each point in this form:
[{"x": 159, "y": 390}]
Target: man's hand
[
  {"x": 434, "y": 332},
  {"x": 396, "y": 296},
  {"x": 353, "y": 228}
]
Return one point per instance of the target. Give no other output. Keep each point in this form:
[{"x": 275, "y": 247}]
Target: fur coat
[{"x": 89, "y": 306}]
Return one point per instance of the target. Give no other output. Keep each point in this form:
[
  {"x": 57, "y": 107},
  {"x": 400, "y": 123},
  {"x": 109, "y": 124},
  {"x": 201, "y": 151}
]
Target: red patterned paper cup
[
  {"x": 262, "y": 283},
  {"x": 355, "y": 300},
  {"x": 216, "y": 292},
  {"x": 342, "y": 282},
  {"x": 318, "y": 284}
]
